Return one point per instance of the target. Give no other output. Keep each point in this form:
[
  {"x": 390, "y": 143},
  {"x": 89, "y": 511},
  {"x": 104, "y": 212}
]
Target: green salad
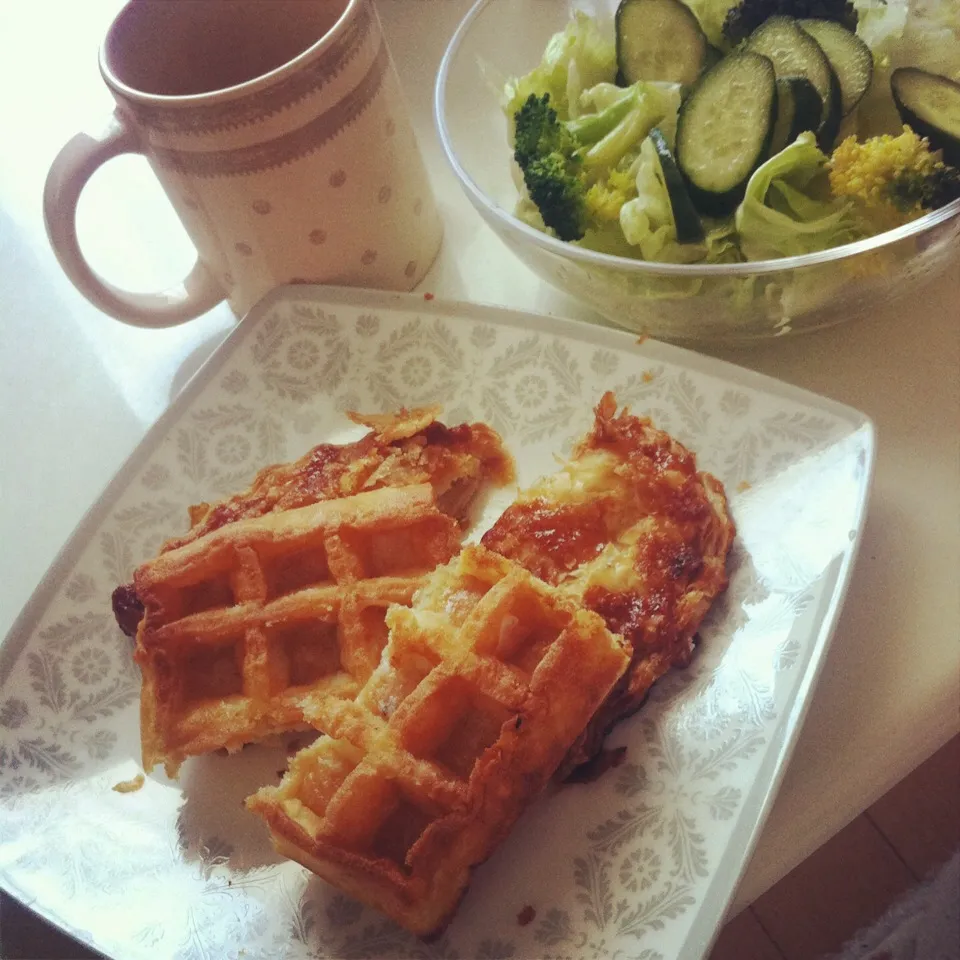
[{"x": 700, "y": 131}]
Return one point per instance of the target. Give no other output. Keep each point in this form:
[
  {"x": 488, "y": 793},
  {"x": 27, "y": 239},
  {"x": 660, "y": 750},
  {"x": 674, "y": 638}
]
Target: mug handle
[{"x": 74, "y": 166}]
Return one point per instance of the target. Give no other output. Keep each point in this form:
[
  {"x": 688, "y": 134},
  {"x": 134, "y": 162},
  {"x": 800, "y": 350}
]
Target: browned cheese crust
[
  {"x": 630, "y": 528},
  {"x": 402, "y": 449},
  {"x": 407, "y": 448}
]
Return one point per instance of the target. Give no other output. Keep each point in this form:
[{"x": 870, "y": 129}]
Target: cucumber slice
[
  {"x": 724, "y": 129},
  {"x": 659, "y": 40},
  {"x": 831, "y": 117},
  {"x": 849, "y": 57},
  {"x": 713, "y": 57},
  {"x": 930, "y": 104},
  {"x": 685, "y": 216},
  {"x": 798, "y": 108},
  {"x": 794, "y": 52}
]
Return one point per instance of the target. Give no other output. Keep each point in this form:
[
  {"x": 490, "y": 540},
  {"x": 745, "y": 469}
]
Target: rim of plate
[
  {"x": 757, "y": 804},
  {"x": 608, "y": 260}
]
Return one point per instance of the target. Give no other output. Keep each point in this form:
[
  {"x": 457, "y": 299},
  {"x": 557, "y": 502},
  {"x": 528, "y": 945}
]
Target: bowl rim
[{"x": 596, "y": 259}]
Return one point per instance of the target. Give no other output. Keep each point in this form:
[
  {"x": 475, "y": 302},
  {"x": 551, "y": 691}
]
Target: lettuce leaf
[
  {"x": 649, "y": 105},
  {"x": 647, "y": 221},
  {"x": 880, "y": 24},
  {"x": 904, "y": 33},
  {"x": 722, "y": 244},
  {"x": 931, "y": 38},
  {"x": 780, "y": 215},
  {"x": 648, "y": 226},
  {"x": 578, "y": 58}
]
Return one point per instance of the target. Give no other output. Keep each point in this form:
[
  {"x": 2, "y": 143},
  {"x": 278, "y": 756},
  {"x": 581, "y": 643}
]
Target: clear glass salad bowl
[{"x": 693, "y": 303}]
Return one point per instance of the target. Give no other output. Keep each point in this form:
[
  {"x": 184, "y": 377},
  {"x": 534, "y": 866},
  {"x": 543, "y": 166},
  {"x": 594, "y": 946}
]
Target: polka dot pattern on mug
[
  {"x": 317, "y": 237},
  {"x": 385, "y": 194},
  {"x": 368, "y": 257},
  {"x": 244, "y": 249},
  {"x": 263, "y": 207},
  {"x": 338, "y": 178}
]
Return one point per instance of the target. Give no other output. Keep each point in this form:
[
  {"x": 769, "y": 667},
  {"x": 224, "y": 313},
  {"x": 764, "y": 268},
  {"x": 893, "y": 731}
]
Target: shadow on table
[{"x": 195, "y": 360}]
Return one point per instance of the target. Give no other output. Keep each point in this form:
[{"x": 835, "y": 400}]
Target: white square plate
[{"x": 640, "y": 864}]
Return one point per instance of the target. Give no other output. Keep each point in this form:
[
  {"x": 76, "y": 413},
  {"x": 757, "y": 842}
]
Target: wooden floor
[
  {"x": 850, "y": 881},
  {"x": 813, "y": 911}
]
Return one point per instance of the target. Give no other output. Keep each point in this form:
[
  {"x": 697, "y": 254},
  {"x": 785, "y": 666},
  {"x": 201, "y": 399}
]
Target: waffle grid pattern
[
  {"x": 484, "y": 684},
  {"x": 244, "y": 627}
]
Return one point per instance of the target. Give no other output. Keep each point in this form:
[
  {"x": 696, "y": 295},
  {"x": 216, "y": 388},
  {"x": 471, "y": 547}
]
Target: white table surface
[{"x": 78, "y": 390}]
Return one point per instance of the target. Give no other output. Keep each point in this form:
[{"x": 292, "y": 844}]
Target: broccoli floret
[
  {"x": 744, "y": 17},
  {"x": 556, "y": 185},
  {"x": 605, "y": 198},
  {"x": 928, "y": 192},
  {"x": 539, "y": 131},
  {"x": 570, "y": 168},
  {"x": 546, "y": 152},
  {"x": 896, "y": 179}
]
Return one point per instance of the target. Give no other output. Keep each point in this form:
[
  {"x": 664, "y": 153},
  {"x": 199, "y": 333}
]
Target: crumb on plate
[
  {"x": 130, "y": 786},
  {"x": 744, "y": 485},
  {"x": 647, "y": 376}
]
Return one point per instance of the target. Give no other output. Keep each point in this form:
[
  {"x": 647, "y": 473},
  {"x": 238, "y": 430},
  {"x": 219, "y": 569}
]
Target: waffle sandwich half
[
  {"x": 632, "y": 530},
  {"x": 246, "y": 624},
  {"x": 402, "y": 449},
  {"x": 483, "y": 686}
]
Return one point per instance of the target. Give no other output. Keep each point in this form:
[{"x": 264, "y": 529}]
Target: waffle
[
  {"x": 407, "y": 448},
  {"x": 246, "y": 624},
  {"x": 483, "y": 686},
  {"x": 632, "y": 530},
  {"x": 402, "y": 449}
]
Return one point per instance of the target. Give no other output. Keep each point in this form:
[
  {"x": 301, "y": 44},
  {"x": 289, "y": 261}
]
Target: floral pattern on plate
[{"x": 640, "y": 864}]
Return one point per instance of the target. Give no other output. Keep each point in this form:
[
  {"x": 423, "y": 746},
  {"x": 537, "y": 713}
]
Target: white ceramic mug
[{"x": 279, "y": 132}]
